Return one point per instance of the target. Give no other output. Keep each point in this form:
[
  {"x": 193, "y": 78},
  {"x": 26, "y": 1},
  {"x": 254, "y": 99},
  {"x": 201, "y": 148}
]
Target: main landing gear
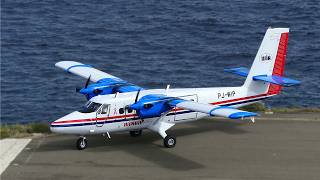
[
  {"x": 82, "y": 143},
  {"x": 169, "y": 141},
  {"x": 136, "y": 133}
]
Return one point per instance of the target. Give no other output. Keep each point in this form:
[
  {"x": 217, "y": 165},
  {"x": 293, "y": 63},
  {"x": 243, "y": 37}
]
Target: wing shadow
[{"x": 147, "y": 146}]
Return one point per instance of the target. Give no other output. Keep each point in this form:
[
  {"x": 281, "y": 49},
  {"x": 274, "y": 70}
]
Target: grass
[
  {"x": 260, "y": 107},
  {"x": 256, "y": 107},
  {"x": 295, "y": 110},
  {"x": 23, "y": 130}
]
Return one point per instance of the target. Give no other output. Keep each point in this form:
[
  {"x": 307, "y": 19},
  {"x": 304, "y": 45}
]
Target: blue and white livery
[{"x": 115, "y": 105}]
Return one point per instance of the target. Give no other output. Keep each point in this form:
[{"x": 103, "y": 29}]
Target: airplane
[{"x": 116, "y": 105}]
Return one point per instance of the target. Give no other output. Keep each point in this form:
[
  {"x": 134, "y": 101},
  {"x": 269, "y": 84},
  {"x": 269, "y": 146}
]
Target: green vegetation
[
  {"x": 23, "y": 130},
  {"x": 256, "y": 107},
  {"x": 295, "y": 110},
  {"x": 260, "y": 107}
]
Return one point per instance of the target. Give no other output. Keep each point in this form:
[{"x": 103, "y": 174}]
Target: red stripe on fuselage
[{"x": 94, "y": 119}]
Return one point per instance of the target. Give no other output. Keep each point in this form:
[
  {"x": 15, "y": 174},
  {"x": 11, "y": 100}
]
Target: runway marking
[{"x": 9, "y": 149}]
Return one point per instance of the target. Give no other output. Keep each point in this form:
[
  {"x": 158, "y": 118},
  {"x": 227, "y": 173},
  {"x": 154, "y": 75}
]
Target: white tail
[{"x": 269, "y": 60}]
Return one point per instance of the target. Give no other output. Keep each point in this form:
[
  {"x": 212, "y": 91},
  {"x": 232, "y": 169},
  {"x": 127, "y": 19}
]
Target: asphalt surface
[{"x": 206, "y": 149}]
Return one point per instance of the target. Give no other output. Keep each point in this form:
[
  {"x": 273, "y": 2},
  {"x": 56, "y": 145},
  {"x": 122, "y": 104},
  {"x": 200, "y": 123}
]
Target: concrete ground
[
  {"x": 206, "y": 149},
  {"x": 9, "y": 149}
]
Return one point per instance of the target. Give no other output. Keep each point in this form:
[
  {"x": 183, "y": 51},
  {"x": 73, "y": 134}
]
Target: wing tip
[
  {"x": 243, "y": 114},
  {"x": 63, "y": 64}
]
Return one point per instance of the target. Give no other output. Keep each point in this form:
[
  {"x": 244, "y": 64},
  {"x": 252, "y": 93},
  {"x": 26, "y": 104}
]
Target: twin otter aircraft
[{"x": 116, "y": 105}]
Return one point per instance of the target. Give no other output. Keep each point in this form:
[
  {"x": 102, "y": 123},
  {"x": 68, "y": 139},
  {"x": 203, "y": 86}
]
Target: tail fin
[{"x": 269, "y": 61}]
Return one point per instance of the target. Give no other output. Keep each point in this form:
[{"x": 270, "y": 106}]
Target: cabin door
[{"x": 102, "y": 114}]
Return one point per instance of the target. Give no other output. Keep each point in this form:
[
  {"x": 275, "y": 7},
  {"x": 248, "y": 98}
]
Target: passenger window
[
  {"x": 129, "y": 110},
  {"x": 121, "y": 110},
  {"x": 104, "y": 109}
]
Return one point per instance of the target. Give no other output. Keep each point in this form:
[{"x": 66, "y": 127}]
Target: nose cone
[
  {"x": 58, "y": 125},
  {"x": 53, "y": 129}
]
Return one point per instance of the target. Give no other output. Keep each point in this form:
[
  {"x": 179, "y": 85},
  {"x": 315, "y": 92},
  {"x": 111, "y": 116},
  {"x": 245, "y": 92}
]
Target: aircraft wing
[
  {"x": 85, "y": 70},
  {"x": 212, "y": 110}
]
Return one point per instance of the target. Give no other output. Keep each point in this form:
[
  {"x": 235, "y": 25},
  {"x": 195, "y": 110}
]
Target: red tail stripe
[{"x": 280, "y": 60}]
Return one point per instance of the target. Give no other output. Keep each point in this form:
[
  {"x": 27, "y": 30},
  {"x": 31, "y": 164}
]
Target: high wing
[
  {"x": 104, "y": 83},
  {"x": 85, "y": 71},
  {"x": 212, "y": 110}
]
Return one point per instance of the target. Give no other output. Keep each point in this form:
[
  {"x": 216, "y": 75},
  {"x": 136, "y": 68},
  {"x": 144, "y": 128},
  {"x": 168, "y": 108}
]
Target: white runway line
[{"x": 9, "y": 149}]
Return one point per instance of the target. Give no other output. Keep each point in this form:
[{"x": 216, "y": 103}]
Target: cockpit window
[{"x": 90, "y": 107}]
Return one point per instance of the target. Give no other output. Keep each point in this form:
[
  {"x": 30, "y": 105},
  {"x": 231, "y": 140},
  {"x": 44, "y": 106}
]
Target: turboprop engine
[{"x": 153, "y": 105}]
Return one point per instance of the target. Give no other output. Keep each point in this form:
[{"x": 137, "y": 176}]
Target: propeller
[
  {"x": 137, "y": 96},
  {"x": 87, "y": 82},
  {"x": 78, "y": 89},
  {"x": 85, "y": 86}
]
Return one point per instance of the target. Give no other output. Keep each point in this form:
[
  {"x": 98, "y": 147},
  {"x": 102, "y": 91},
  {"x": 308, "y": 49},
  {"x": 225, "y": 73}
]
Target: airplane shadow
[{"x": 147, "y": 146}]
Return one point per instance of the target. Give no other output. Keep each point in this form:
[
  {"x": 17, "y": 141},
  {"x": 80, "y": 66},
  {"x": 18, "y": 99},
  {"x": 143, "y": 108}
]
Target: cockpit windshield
[{"x": 90, "y": 107}]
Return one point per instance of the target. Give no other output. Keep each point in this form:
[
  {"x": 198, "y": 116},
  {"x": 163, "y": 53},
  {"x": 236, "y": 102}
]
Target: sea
[{"x": 149, "y": 43}]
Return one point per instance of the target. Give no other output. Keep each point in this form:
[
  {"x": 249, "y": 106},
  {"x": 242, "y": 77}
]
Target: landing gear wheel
[
  {"x": 169, "y": 141},
  {"x": 82, "y": 143},
  {"x": 135, "y": 133}
]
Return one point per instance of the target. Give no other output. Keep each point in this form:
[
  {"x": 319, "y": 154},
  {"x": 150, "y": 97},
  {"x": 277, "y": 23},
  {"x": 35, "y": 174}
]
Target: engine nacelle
[
  {"x": 151, "y": 106},
  {"x": 108, "y": 86}
]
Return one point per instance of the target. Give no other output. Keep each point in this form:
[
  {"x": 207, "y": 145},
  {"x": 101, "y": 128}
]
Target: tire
[
  {"x": 135, "y": 133},
  {"x": 169, "y": 141},
  {"x": 82, "y": 143}
]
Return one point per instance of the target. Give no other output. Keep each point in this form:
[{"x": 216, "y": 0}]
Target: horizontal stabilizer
[
  {"x": 242, "y": 71},
  {"x": 279, "y": 80}
]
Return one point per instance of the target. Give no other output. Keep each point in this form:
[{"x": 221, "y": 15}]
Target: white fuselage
[{"x": 117, "y": 118}]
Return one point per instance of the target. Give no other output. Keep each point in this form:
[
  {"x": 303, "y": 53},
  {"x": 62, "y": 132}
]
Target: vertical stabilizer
[{"x": 270, "y": 60}]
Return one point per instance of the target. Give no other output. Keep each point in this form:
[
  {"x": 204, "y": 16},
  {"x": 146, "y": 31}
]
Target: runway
[{"x": 206, "y": 149}]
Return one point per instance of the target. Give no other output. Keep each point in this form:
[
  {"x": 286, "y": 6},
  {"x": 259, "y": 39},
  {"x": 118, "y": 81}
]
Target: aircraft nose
[
  {"x": 53, "y": 126},
  {"x": 58, "y": 126}
]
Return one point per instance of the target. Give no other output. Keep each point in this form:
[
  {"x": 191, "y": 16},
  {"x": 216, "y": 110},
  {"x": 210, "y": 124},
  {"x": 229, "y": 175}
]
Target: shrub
[
  {"x": 38, "y": 128},
  {"x": 19, "y": 130}
]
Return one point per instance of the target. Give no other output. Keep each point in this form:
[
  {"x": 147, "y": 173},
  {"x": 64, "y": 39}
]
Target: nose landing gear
[
  {"x": 82, "y": 143},
  {"x": 135, "y": 133},
  {"x": 169, "y": 141}
]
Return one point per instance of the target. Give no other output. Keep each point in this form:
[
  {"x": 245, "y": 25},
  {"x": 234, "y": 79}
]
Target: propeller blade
[
  {"x": 87, "y": 82},
  {"x": 78, "y": 89},
  {"x": 135, "y": 101}
]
